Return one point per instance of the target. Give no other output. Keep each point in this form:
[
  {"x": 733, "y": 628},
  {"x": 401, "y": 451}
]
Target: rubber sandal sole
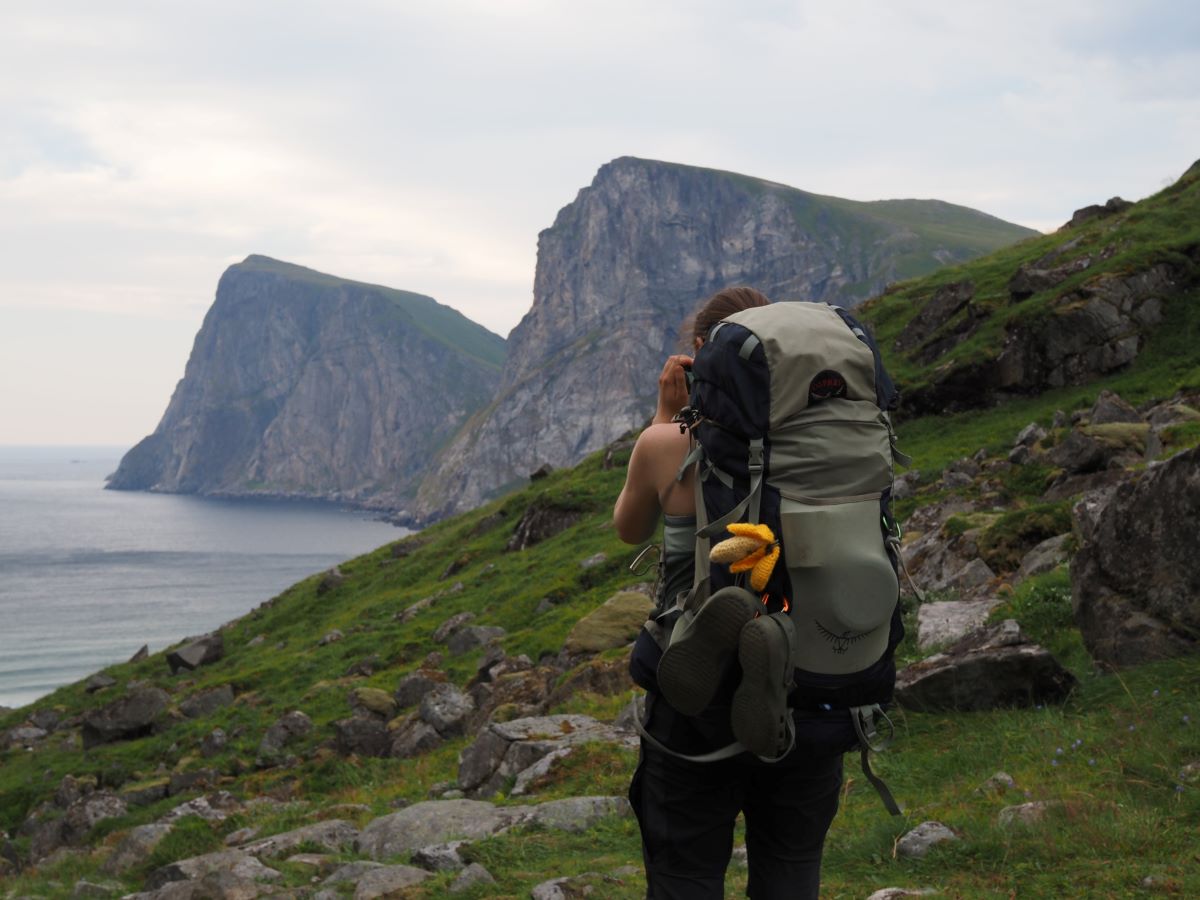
[
  {"x": 759, "y": 715},
  {"x": 692, "y": 668}
]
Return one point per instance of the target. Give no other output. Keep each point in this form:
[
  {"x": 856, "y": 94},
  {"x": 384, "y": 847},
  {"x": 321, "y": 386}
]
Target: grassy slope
[
  {"x": 1127, "y": 813},
  {"x": 440, "y": 322}
]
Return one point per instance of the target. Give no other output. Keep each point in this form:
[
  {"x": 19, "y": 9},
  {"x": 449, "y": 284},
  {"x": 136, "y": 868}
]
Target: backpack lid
[{"x": 811, "y": 354}]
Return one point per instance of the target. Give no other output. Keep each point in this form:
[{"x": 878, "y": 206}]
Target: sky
[{"x": 145, "y": 147}]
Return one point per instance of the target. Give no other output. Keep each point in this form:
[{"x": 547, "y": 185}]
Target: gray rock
[
  {"x": 216, "y": 807},
  {"x": 992, "y": 668},
  {"x": 997, "y": 784},
  {"x": 1030, "y": 435},
  {"x": 352, "y": 871},
  {"x": 906, "y": 485},
  {"x": 142, "y": 652},
  {"x": 432, "y": 822},
  {"x": 1028, "y": 813},
  {"x": 975, "y": 574},
  {"x": 84, "y": 888},
  {"x": 386, "y": 881},
  {"x": 98, "y": 682},
  {"x": 180, "y": 782},
  {"x": 286, "y": 730},
  {"x": 412, "y": 688},
  {"x": 472, "y": 876},
  {"x": 946, "y": 621},
  {"x": 136, "y": 848},
  {"x": 447, "y": 709},
  {"x": 362, "y": 736},
  {"x": 1045, "y": 557},
  {"x": 899, "y": 893},
  {"x": 918, "y": 842},
  {"x": 1020, "y": 455},
  {"x": 242, "y": 836},
  {"x": 614, "y": 623},
  {"x": 440, "y": 857},
  {"x": 451, "y": 625},
  {"x": 597, "y": 559},
  {"x": 503, "y": 750},
  {"x": 213, "y": 743},
  {"x": 414, "y": 738},
  {"x": 200, "y": 652},
  {"x": 330, "y": 581},
  {"x": 84, "y": 814},
  {"x": 332, "y": 835},
  {"x": 541, "y": 520},
  {"x": 207, "y": 702},
  {"x": 1135, "y": 586},
  {"x": 131, "y": 716},
  {"x": 235, "y": 863},
  {"x": 472, "y": 637},
  {"x": 331, "y": 637},
  {"x": 575, "y": 814},
  {"x": 541, "y": 768},
  {"x": 146, "y": 794},
  {"x": 1109, "y": 408},
  {"x": 24, "y": 736}
]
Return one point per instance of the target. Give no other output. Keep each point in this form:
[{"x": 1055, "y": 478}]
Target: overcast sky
[{"x": 146, "y": 146}]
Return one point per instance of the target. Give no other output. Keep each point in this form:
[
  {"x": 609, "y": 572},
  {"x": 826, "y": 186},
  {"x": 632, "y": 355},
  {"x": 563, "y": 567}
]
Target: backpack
[{"x": 789, "y": 418}]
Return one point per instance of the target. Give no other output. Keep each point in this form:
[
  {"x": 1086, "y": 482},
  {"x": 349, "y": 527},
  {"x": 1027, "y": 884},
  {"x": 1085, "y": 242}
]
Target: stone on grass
[
  {"x": 200, "y": 652},
  {"x": 1028, "y": 813},
  {"x": 136, "y": 847},
  {"x": 899, "y": 893},
  {"x": 387, "y": 881},
  {"x": 287, "y": 729},
  {"x": 362, "y": 735},
  {"x": 332, "y": 835},
  {"x": 134, "y": 715},
  {"x": 614, "y": 623},
  {"x": 1044, "y": 557},
  {"x": 575, "y": 814},
  {"x": 352, "y": 871},
  {"x": 451, "y": 625},
  {"x": 142, "y": 653},
  {"x": 232, "y": 862},
  {"x": 373, "y": 700},
  {"x": 440, "y": 857},
  {"x": 207, "y": 702},
  {"x": 416, "y": 685},
  {"x": 413, "y": 738},
  {"x": 432, "y": 822},
  {"x": 472, "y": 637},
  {"x": 542, "y": 519},
  {"x": 472, "y": 876},
  {"x": 918, "y": 842},
  {"x": 946, "y": 621},
  {"x": 98, "y": 682},
  {"x": 331, "y": 637},
  {"x": 447, "y": 709}
]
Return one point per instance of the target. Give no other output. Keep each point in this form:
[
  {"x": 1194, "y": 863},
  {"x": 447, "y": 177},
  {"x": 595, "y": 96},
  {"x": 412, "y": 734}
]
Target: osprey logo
[{"x": 826, "y": 385}]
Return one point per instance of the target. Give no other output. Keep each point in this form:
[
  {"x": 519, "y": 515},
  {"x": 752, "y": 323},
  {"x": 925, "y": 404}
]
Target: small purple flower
[
  {"x": 1179, "y": 788},
  {"x": 1054, "y": 762},
  {"x": 1091, "y": 762},
  {"x": 1187, "y": 719},
  {"x": 1058, "y": 751}
]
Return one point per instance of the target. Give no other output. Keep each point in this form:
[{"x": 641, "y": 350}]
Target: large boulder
[
  {"x": 287, "y": 729},
  {"x": 134, "y": 715},
  {"x": 1135, "y": 585},
  {"x": 991, "y": 668},
  {"x": 541, "y": 520},
  {"x": 207, "y": 702}
]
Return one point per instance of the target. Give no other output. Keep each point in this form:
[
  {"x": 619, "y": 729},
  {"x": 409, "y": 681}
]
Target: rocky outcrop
[
  {"x": 625, "y": 263},
  {"x": 1134, "y": 582},
  {"x": 304, "y": 385},
  {"x": 134, "y": 715}
]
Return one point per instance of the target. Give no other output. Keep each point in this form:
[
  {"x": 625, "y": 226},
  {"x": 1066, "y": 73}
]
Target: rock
[
  {"x": 432, "y": 822},
  {"x": 362, "y": 736},
  {"x": 242, "y": 836},
  {"x": 186, "y": 781},
  {"x": 136, "y": 848},
  {"x": 374, "y": 701},
  {"x": 541, "y": 472},
  {"x": 214, "y": 743},
  {"x": 1045, "y": 557},
  {"x": 1135, "y": 587},
  {"x": 387, "y": 881},
  {"x": 415, "y": 686},
  {"x": 906, "y": 485},
  {"x": 84, "y": 888},
  {"x": 440, "y": 857},
  {"x": 997, "y": 784},
  {"x": 918, "y": 842},
  {"x": 24, "y": 736},
  {"x": 575, "y": 814},
  {"x": 132, "y": 716},
  {"x": 504, "y": 749},
  {"x": 447, "y": 710},
  {"x": 1020, "y": 455},
  {"x": 331, "y": 637},
  {"x": 946, "y": 621},
  {"x": 143, "y": 652},
  {"x": 235, "y": 863},
  {"x": 975, "y": 574},
  {"x": 540, "y": 521},
  {"x": 989, "y": 669},
  {"x": 451, "y": 625},
  {"x": 330, "y": 581},
  {"x": 472, "y": 637},
  {"x": 615, "y": 623},
  {"x": 1030, "y": 279},
  {"x": 946, "y": 302},
  {"x": 1110, "y": 408},
  {"x": 71, "y": 789},
  {"x": 414, "y": 738},
  {"x": 1030, "y": 435},
  {"x": 898, "y": 893},
  {"x": 1028, "y": 813},
  {"x": 257, "y": 641},
  {"x": 98, "y": 682},
  {"x": 215, "y": 807},
  {"x": 472, "y": 876},
  {"x": 596, "y": 559},
  {"x": 365, "y": 667},
  {"x": 331, "y": 835},
  {"x": 200, "y": 652},
  {"x": 1086, "y": 214},
  {"x": 352, "y": 872},
  {"x": 207, "y": 702},
  {"x": 286, "y": 730},
  {"x": 954, "y": 481},
  {"x": 605, "y": 677}
]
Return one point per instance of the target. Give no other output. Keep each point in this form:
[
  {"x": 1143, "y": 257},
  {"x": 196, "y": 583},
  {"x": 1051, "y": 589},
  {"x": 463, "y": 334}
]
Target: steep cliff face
[
  {"x": 626, "y": 262},
  {"x": 304, "y": 385}
]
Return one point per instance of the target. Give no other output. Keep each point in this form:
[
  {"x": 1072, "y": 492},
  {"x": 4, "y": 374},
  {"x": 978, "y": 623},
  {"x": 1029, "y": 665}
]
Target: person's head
[{"x": 717, "y": 307}]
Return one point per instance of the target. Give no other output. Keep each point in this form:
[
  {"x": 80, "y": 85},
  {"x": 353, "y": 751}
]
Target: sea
[{"x": 88, "y": 576}]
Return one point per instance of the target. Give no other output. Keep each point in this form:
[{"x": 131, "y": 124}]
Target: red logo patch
[{"x": 826, "y": 385}]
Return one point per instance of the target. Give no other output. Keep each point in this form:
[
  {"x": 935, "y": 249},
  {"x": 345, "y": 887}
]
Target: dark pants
[{"x": 687, "y": 810}]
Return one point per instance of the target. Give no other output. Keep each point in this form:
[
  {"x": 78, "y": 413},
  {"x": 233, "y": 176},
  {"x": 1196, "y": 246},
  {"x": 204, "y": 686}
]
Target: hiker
[
  {"x": 694, "y": 774},
  {"x": 687, "y": 810}
]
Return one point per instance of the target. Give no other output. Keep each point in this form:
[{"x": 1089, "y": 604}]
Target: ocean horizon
[{"x": 88, "y": 576}]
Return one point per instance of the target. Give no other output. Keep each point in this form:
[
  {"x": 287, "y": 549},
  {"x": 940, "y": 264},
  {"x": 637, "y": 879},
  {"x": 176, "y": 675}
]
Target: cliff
[
  {"x": 629, "y": 259},
  {"x": 304, "y": 385}
]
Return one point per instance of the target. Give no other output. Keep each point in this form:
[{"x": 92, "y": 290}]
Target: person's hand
[{"x": 672, "y": 388}]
